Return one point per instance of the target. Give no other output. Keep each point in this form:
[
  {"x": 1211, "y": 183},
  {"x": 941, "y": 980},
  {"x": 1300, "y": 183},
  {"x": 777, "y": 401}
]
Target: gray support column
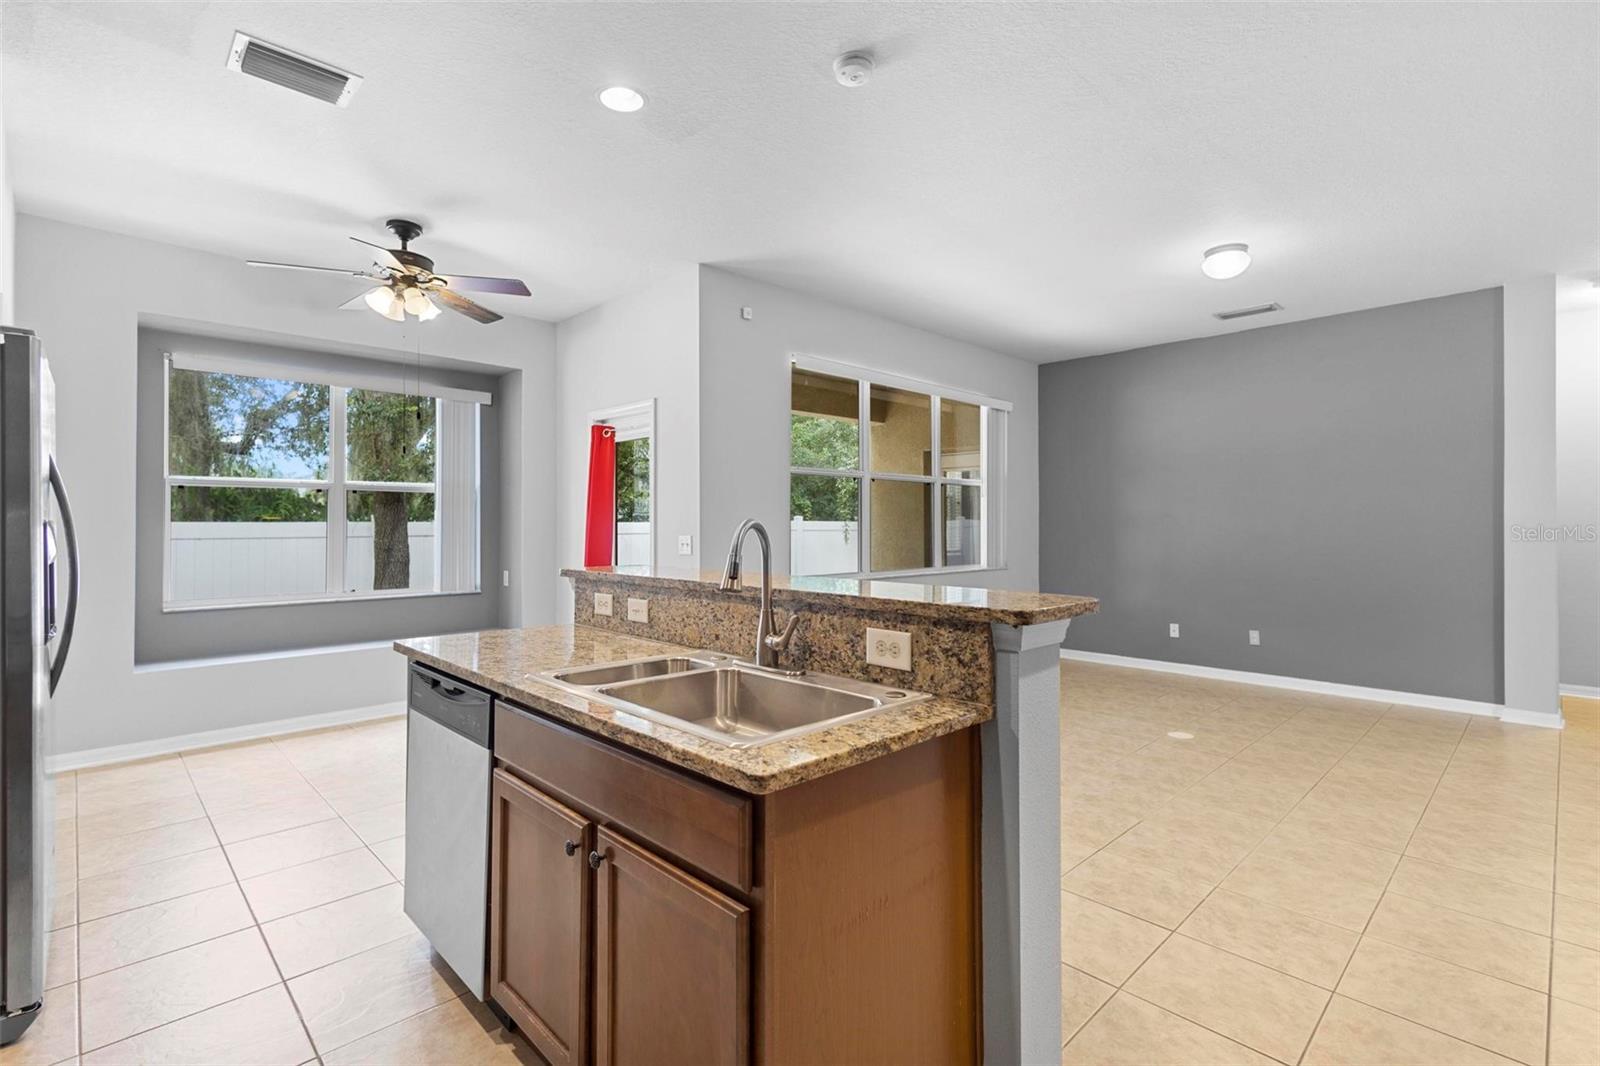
[{"x": 1021, "y": 830}]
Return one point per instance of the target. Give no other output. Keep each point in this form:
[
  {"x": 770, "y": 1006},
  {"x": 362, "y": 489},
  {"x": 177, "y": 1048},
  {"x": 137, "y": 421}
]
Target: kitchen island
[{"x": 827, "y": 886}]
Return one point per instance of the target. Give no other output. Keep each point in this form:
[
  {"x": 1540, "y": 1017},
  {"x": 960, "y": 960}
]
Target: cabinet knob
[
  {"x": 595, "y": 859},
  {"x": 572, "y": 847}
]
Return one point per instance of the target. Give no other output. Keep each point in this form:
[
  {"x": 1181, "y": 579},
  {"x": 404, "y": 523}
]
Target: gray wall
[
  {"x": 181, "y": 635},
  {"x": 1334, "y": 483}
]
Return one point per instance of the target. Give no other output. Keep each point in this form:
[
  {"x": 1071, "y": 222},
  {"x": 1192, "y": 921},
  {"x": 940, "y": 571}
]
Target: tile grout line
[
  {"x": 236, "y": 882},
  {"x": 393, "y": 880},
  {"x": 1253, "y": 849},
  {"x": 77, "y": 913},
  {"x": 84, "y": 1051},
  {"x": 1555, "y": 879},
  {"x": 249, "y": 907},
  {"x": 1122, "y": 986},
  {"x": 1368, "y": 924}
]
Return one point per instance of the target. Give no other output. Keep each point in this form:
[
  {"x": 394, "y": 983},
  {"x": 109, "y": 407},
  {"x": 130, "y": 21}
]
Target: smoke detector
[
  {"x": 274, "y": 63},
  {"x": 853, "y": 69}
]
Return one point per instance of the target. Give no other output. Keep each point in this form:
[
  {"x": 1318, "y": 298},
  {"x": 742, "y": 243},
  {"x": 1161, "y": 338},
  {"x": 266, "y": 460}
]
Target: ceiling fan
[{"x": 407, "y": 283}]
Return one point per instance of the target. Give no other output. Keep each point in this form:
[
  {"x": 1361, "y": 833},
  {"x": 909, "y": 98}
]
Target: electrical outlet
[
  {"x": 1255, "y": 637},
  {"x": 747, "y": 313},
  {"x": 887, "y": 647},
  {"x": 686, "y": 545},
  {"x": 602, "y": 604},
  {"x": 1172, "y": 629},
  {"x": 638, "y": 610}
]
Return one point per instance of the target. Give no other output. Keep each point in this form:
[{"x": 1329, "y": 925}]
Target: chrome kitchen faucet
[{"x": 769, "y": 645}]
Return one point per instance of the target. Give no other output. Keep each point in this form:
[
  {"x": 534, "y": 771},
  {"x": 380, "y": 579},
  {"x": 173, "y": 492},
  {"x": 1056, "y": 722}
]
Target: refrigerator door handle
[
  {"x": 50, "y": 626},
  {"x": 70, "y": 533}
]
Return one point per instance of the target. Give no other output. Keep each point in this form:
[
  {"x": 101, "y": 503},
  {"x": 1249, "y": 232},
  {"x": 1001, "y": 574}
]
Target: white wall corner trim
[
  {"x": 144, "y": 749},
  {"x": 1324, "y": 688},
  {"x": 1531, "y": 581}
]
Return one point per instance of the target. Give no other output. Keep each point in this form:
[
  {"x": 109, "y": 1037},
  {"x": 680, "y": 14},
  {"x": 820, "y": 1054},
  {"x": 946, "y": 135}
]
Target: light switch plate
[
  {"x": 638, "y": 610},
  {"x": 889, "y": 647},
  {"x": 686, "y": 545},
  {"x": 602, "y": 604}
]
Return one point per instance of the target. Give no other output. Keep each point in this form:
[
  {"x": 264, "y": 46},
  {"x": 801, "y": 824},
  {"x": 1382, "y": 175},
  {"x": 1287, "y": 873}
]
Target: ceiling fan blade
[
  {"x": 474, "y": 283},
  {"x": 462, "y": 305},
  {"x": 384, "y": 256},
  {"x": 321, "y": 270}
]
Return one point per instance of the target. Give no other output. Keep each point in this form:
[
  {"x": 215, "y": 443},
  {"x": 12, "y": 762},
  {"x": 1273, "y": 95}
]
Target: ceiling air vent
[
  {"x": 1246, "y": 312},
  {"x": 276, "y": 64}
]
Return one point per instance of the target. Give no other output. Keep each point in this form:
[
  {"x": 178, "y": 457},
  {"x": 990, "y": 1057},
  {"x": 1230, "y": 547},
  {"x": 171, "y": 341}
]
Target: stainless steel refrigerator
[{"x": 38, "y": 605}]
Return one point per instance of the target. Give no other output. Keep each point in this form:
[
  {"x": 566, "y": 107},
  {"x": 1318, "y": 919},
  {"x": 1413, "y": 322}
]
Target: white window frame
[
  {"x": 452, "y": 481},
  {"x": 633, "y": 421},
  {"x": 993, "y": 414}
]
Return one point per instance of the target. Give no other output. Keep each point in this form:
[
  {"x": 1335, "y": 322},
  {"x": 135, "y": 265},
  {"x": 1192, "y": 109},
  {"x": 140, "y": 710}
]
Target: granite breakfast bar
[{"x": 988, "y": 661}]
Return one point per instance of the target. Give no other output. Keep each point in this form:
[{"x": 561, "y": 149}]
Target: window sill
[
  {"x": 161, "y": 665},
  {"x": 301, "y": 601}
]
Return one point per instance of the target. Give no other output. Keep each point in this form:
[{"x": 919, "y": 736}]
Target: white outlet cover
[
  {"x": 602, "y": 604},
  {"x": 638, "y": 610},
  {"x": 889, "y": 647},
  {"x": 686, "y": 545},
  {"x": 1255, "y": 637},
  {"x": 1172, "y": 629}
]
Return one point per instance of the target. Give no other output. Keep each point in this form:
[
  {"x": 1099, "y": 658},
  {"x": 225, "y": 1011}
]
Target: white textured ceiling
[{"x": 1038, "y": 178}]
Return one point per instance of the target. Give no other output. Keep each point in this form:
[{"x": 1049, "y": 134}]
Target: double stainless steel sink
[{"x": 729, "y": 700}]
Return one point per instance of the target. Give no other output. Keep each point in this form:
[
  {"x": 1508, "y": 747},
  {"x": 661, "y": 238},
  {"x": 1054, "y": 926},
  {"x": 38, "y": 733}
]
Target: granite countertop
[
  {"x": 934, "y": 601},
  {"x": 506, "y": 662}
]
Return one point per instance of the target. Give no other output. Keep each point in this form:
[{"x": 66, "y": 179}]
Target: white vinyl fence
[
  {"x": 823, "y": 547},
  {"x": 633, "y": 543},
  {"x": 250, "y": 560}
]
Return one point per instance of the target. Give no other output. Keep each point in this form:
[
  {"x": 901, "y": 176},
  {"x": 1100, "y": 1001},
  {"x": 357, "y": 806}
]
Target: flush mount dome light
[
  {"x": 621, "y": 98},
  {"x": 1225, "y": 261}
]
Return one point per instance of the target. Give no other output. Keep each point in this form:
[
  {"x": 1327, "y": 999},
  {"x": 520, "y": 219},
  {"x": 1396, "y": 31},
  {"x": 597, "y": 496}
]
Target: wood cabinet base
[{"x": 832, "y": 922}]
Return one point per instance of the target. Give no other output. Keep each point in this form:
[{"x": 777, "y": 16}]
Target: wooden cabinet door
[
  {"x": 672, "y": 964},
  {"x": 539, "y": 918}
]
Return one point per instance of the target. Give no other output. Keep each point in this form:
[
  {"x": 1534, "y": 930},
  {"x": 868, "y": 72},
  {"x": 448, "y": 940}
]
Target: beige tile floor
[
  {"x": 1305, "y": 880},
  {"x": 243, "y": 905}
]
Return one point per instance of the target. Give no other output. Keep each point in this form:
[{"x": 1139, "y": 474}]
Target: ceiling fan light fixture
[
  {"x": 415, "y": 301},
  {"x": 430, "y": 310},
  {"x": 387, "y": 303}
]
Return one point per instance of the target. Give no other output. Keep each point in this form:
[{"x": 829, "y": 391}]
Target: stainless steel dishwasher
[{"x": 448, "y": 756}]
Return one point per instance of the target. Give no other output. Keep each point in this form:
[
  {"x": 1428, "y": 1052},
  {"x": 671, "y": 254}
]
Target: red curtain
[{"x": 600, "y": 531}]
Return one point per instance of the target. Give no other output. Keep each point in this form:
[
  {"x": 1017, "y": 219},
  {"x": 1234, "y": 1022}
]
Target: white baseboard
[
  {"x": 1588, "y": 692},
  {"x": 1325, "y": 688},
  {"x": 144, "y": 749},
  {"x": 1518, "y": 716}
]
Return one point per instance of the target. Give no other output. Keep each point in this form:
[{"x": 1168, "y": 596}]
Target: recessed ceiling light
[
  {"x": 621, "y": 98},
  {"x": 1225, "y": 261}
]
